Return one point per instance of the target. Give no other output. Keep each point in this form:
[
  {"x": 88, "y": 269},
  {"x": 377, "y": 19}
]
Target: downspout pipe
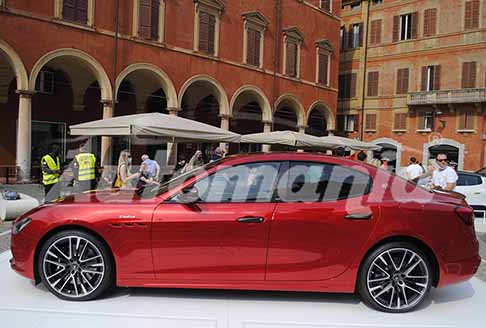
[
  {"x": 276, "y": 52},
  {"x": 365, "y": 63}
]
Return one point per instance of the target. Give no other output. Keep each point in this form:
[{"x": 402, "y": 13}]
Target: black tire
[
  {"x": 388, "y": 281},
  {"x": 95, "y": 259}
]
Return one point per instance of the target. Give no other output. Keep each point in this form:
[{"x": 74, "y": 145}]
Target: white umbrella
[
  {"x": 351, "y": 143},
  {"x": 288, "y": 138},
  {"x": 169, "y": 128}
]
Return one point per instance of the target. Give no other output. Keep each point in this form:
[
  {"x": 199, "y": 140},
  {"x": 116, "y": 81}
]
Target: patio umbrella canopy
[
  {"x": 169, "y": 128},
  {"x": 288, "y": 138},
  {"x": 351, "y": 143}
]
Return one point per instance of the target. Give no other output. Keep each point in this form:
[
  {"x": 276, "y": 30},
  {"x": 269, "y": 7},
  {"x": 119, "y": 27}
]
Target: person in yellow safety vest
[
  {"x": 85, "y": 170},
  {"x": 51, "y": 170}
]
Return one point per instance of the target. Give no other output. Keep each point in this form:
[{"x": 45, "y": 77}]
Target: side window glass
[
  {"x": 253, "y": 182},
  {"x": 316, "y": 182}
]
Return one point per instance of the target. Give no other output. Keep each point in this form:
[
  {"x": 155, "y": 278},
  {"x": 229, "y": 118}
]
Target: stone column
[
  {"x": 24, "y": 135},
  {"x": 106, "y": 141},
  {"x": 301, "y": 130},
  {"x": 267, "y": 127},
  {"x": 225, "y": 124},
  {"x": 172, "y": 146}
]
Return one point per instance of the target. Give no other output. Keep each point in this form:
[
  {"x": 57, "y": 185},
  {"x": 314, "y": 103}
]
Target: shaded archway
[
  {"x": 319, "y": 120},
  {"x": 453, "y": 149},
  {"x": 71, "y": 87},
  {"x": 392, "y": 150}
]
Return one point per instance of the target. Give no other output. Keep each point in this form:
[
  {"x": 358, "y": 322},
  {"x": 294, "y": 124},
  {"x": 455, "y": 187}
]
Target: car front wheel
[
  {"x": 75, "y": 265},
  {"x": 395, "y": 277}
]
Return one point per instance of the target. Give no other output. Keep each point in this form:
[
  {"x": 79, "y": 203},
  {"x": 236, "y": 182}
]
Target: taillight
[{"x": 466, "y": 214}]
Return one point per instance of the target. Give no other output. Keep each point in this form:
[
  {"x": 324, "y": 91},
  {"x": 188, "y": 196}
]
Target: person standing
[
  {"x": 361, "y": 156},
  {"x": 84, "y": 169},
  {"x": 384, "y": 163},
  {"x": 152, "y": 167},
  {"x": 51, "y": 171},
  {"x": 414, "y": 170},
  {"x": 444, "y": 178}
]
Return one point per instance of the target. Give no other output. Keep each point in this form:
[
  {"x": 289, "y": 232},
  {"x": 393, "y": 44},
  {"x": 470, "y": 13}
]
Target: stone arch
[
  {"x": 16, "y": 64},
  {"x": 96, "y": 69},
  {"x": 296, "y": 105},
  {"x": 444, "y": 141},
  {"x": 260, "y": 97},
  {"x": 221, "y": 96},
  {"x": 166, "y": 82},
  {"x": 325, "y": 110},
  {"x": 396, "y": 144}
]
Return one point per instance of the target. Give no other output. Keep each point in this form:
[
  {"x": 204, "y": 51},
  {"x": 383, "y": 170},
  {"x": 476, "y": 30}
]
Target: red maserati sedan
[{"x": 275, "y": 221}]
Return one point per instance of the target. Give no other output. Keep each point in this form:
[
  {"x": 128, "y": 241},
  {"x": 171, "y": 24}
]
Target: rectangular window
[
  {"x": 402, "y": 81},
  {"x": 466, "y": 120},
  {"x": 350, "y": 123},
  {"x": 405, "y": 27},
  {"x": 468, "y": 75},
  {"x": 373, "y": 78},
  {"x": 426, "y": 121},
  {"x": 375, "y": 36},
  {"x": 430, "y": 22},
  {"x": 207, "y": 24},
  {"x": 356, "y": 36},
  {"x": 154, "y": 20},
  {"x": 430, "y": 78},
  {"x": 323, "y": 68},
  {"x": 326, "y": 5},
  {"x": 75, "y": 11},
  {"x": 253, "y": 47},
  {"x": 347, "y": 85},
  {"x": 370, "y": 122},
  {"x": 45, "y": 82},
  {"x": 291, "y": 56},
  {"x": 471, "y": 15},
  {"x": 400, "y": 121},
  {"x": 148, "y": 19},
  {"x": 342, "y": 33},
  {"x": 376, "y": 2}
]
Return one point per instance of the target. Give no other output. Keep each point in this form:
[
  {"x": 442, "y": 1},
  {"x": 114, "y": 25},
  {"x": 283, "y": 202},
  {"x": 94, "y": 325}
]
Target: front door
[
  {"x": 320, "y": 223},
  {"x": 224, "y": 235}
]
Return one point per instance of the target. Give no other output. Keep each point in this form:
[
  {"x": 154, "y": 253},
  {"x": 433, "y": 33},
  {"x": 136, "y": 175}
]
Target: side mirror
[{"x": 189, "y": 195}]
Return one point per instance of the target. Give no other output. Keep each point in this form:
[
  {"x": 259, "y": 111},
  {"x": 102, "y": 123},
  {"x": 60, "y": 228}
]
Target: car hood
[{"x": 103, "y": 196}]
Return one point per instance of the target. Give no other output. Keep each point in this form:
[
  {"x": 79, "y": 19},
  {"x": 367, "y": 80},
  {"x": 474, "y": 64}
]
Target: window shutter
[
  {"x": 250, "y": 52},
  {"x": 400, "y": 121},
  {"x": 462, "y": 121},
  {"x": 341, "y": 86},
  {"x": 256, "y": 48},
  {"x": 69, "y": 10},
  {"x": 373, "y": 84},
  {"x": 144, "y": 17},
  {"x": 360, "y": 41},
  {"x": 424, "y": 79},
  {"x": 469, "y": 75},
  {"x": 396, "y": 28},
  {"x": 326, "y": 5},
  {"x": 370, "y": 122},
  {"x": 469, "y": 122},
  {"x": 475, "y": 14},
  {"x": 375, "y": 37},
  {"x": 154, "y": 20},
  {"x": 352, "y": 88},
  {"x": 472, "y": 74},
  {"x": 421, "y": 120},
  {"x": 350, "y": 37},
  {"x": 468, "y": 15},
  {"x": 430, "y": 22},
  {"x": 465, "y": 75},
  {"x": 203, "y": 32},
  {"x": 211, "y": 33},
  {"x": 323, "y": 65},
  {"x": 356, "y": 122},
  {"x": 291, "y": 59},
  {"x": 345, "y": 38},
  {"x": 82, "y": 11},
  {"x": 405, "y": 77},
  {"x": 413, "y": 32},
  {"x": 437, "y": 77},
  {"x": 340, "y": 122}
]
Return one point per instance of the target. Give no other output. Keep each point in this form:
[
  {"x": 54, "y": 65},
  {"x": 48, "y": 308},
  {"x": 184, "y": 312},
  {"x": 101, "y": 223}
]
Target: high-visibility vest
[
  {"x": 50, "y": 178},
  {"x": 86, "y": 166}
]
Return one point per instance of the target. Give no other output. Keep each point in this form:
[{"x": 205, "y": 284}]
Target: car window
[
  {"x": 315, "y": 182},
  {"x": 253, "y": 182},
  {"x": 468, "y": 180}
]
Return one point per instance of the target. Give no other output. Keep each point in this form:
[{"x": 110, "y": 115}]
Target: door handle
[
  {"x": 250, "y": 219},
  {"x": 359, "y": 216}
]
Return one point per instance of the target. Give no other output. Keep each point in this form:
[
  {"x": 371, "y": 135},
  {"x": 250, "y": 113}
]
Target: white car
[{"x": 473, "y": 186}]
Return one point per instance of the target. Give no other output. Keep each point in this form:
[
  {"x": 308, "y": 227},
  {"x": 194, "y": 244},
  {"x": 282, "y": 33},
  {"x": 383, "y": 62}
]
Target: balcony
[{"x": 438, "y": 97}]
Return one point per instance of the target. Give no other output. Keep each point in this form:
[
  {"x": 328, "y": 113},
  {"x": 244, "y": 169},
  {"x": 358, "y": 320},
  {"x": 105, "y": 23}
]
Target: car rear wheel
[
  {"x": 75, "y": 265},
  {"x": 395, "y": 277}
]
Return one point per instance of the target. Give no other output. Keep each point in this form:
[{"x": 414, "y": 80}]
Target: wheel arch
[
  {"x": 58, "y": 229},
  {"x": 415, "y": 241}
]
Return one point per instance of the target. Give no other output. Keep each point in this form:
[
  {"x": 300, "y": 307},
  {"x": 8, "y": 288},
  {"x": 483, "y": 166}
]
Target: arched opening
[
  {"x": 316, "y": 123},
  {"x": 452, "y": 152},
  {"x": 142, "y": 88},
  {"x": 69, "y": 88},
  {"x": 388, "y": 151},
  {"x": 453, "y": 149},
  {"x": 250, "y": 108},
  {"x": 200, "y": 101}
]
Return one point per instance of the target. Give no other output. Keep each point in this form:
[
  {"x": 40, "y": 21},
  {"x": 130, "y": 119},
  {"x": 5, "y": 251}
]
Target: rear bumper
[{"x": 459, "y": 271}]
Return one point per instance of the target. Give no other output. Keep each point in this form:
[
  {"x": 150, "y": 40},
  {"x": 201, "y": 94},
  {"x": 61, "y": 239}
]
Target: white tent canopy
[
  {"x": 350, "y": 143},
  {"x": 168, "y": 127},
  {"x": 288, "y": 138}
]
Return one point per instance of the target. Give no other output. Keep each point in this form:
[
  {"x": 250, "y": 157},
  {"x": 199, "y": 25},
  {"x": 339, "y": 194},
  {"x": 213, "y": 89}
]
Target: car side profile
[{"x": 274, "y": 221}]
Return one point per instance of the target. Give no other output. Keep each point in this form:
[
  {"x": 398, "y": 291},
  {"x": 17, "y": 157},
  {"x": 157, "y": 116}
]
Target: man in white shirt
[
  {"x": 414, "y": 170},
  {"x": 444, "y": 178}
]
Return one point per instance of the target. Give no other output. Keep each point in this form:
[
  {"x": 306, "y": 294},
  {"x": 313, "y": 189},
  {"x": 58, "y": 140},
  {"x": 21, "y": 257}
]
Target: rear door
[
  {"x": 224, "y": 235},
  {"x": 473, "y": 186},
  {"x": 321, "y": 222}
]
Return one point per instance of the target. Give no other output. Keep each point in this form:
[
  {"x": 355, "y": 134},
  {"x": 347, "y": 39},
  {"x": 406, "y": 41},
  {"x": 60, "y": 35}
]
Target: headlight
[{"x": 20, "y": 225}]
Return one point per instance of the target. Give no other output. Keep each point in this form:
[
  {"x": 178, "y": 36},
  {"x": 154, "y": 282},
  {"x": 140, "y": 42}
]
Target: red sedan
[{"x": 277, "y": 221}]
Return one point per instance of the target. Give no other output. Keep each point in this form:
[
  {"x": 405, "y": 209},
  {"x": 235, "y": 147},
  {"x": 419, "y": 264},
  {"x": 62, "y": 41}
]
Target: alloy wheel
[
  {"x": 398, "y": 279},
  {"x": 73, "y": 266}
]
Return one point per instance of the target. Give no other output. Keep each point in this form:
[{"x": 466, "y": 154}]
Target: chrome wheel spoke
[{"x": 67, "y": 273}]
